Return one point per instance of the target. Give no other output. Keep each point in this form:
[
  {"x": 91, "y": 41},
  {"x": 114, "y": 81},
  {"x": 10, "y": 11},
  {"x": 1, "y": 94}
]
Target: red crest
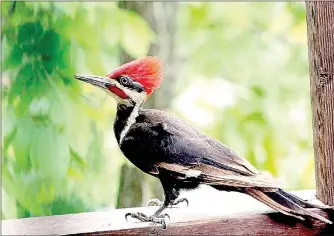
[{"x": 147, "y": 71}]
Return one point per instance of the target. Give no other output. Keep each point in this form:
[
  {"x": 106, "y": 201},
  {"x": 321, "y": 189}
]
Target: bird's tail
[{"x": 288, "y": 204}]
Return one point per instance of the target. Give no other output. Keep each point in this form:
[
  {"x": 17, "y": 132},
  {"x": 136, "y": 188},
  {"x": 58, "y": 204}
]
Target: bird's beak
[{"x": 98, "y": 81}]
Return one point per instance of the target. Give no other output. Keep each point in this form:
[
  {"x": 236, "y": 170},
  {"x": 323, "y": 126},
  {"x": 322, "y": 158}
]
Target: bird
[{"x": 179, "y": 155}]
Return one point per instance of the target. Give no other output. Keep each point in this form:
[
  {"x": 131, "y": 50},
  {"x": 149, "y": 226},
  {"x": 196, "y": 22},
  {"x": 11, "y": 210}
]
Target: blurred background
[{"x": 236, "y": 71}]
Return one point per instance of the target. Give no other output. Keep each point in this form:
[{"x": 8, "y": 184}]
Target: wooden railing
[{"x": 221, "y": 213}]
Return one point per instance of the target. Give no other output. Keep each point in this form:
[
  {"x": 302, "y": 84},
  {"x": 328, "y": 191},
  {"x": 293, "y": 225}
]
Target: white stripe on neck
[{"x": 130, "y": 121}]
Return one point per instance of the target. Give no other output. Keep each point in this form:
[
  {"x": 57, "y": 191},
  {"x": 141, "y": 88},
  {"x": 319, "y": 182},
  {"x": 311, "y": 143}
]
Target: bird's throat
[{"x": 125, "y": 118}]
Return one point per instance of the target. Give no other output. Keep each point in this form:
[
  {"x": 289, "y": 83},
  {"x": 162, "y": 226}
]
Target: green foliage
[
  {"x": 245, "y": 74},
  {"x": 260, "y": 51},
  {"x": 52, "y": 137}
]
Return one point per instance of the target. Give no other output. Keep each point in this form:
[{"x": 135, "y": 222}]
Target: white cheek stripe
[{"x": 131, "y": 120}]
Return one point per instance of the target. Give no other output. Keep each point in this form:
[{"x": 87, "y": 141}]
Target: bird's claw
[
  {"x": 181, "y": 200},
  {"x": 160, "y": 219},
  {"x": 127, "y": 215},
  {"x": 157, "y": 202},
  {"x": 163, "y": 216}
]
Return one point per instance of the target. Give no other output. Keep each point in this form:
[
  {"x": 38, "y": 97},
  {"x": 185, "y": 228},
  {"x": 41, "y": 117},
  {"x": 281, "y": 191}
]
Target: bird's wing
[
  {"x": 213, "y": 176},
  {"x": 195, "y": 155}
]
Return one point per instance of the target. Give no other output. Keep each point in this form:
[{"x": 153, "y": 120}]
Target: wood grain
[
  {"x": 224, "y": 214},
  {"x": 253, "y": 224},
  {"x": 320, "y": 25}
]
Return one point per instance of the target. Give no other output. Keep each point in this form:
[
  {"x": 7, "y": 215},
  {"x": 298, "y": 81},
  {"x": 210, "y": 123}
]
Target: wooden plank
[
  {"x": 222, "y": 213},
  {"x": 320, "y": 25},
  {"x": 252, "y": 224}
]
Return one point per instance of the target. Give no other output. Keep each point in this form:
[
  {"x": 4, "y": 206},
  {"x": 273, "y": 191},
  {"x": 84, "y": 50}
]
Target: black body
[
  {"x": 182, "y": 158},
  {"x": 157, "y": 137}
]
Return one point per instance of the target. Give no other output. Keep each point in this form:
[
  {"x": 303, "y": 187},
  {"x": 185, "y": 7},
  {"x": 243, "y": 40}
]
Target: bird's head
[{"x": 131, "y": 83}]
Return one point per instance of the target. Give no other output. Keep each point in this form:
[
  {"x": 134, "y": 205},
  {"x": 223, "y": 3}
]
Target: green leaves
[
  {"x": 44, "y": 45},
  {"x": 268, "y": 59},
  {"x": 14, "y": 58},
  {"x": 73, "y": 203},
  {"x": 34, "y": 40},
  {"x": 49, "y": 48},
  {"x": 6, "y": 7},
  {"x": 8, "y": 206},
  {"x": 29, "y": 36},
  {"x": 23, "y": 81},
  {"x": 21, "y": 143},
  {"x": 49, "y": 152},
  {"x": 44, "y": 116}
]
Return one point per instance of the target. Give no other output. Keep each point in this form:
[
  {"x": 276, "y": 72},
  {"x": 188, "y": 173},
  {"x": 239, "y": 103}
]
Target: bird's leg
[
  {"x": 157, "y": 202},
  {"x": 157, "y": 217}
]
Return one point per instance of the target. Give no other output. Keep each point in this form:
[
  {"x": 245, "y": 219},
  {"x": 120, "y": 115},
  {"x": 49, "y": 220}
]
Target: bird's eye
[{"x": 125, "y": 80}]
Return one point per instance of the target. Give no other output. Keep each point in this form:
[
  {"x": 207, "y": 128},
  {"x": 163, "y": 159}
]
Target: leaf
[
  {"x": 64, "y": 57},
  {"x": 23, "y": 80},
  {"x": 50, "y": 44},
  {"x": 7, "y": 140},
  {"x": 49, "y": 152},
  {"x": 256, "y": 117},
  {"x": 5, "y": 8},
  {"x": 259, "y": 91},
  {"x": 21, "y": 143},
  {"x": 8, "y": 182},
  {"x": 136, "y": 35},
  {"x": 22, "y": 107},
  {"x": 8, "y": 206},
  {"x": 8, "y": 121},
  {"x": 70, "y": 204},
  {"x": 49, "y": 50},
  {"x": 39, "y": 145},
  {"x": 30, "y": 186},
  {"x": 13, "y": 59},
  {"x": 29, "y": 36},
  {"x": 298, "y": 11},
  {"x": 199, "y": 15},
  {"x": 78, "y": 159},
  {"x": 29, "y": 83},
  {"x": 46, "y": 194}
]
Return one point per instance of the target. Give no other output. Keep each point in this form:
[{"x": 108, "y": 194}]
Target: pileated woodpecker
[{"x": 180, "y": 156}]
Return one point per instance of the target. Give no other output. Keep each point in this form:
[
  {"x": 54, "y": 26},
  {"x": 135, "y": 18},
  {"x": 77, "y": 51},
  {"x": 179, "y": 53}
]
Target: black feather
[{"x": 182, "y": 158}]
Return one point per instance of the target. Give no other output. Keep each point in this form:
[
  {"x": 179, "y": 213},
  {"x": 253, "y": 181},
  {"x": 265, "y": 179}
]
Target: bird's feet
[
  {"x": 157, "y": 202},
  {"x": 160, "y": 219},
  {"x": 177, "y": 201}
]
